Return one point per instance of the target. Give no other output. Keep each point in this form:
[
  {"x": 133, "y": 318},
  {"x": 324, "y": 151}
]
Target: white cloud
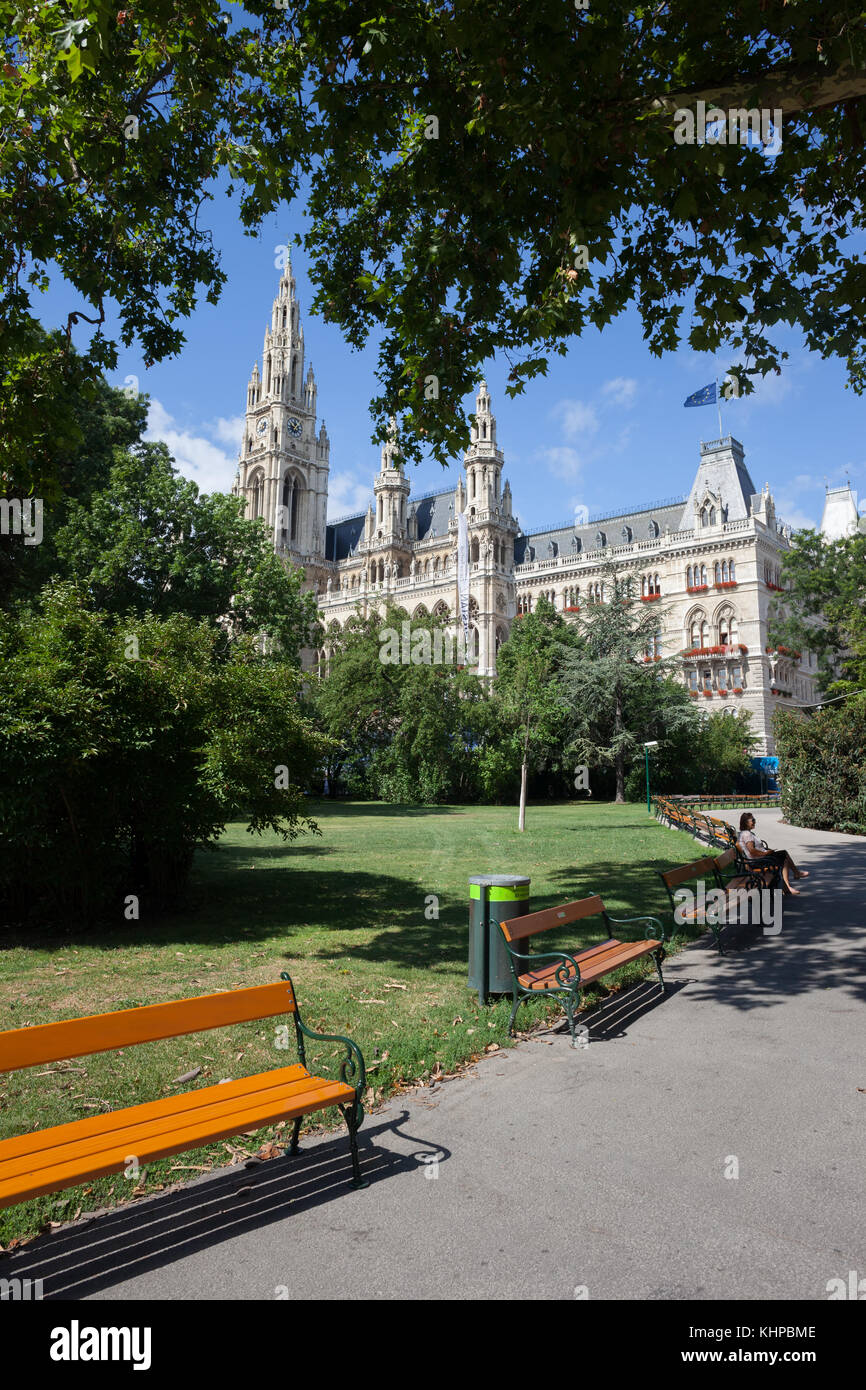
[
  {"x": 576, "y": 417},
  {"x": 348, "y": 493},
  {"x": 562, "y": 461},
  {"x": 621, "y": 390},
  {"x": 230, "y": 431},
  {"x": 196, "y": 457}
]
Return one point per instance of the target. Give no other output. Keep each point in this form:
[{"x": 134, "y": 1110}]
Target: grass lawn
[{"x": 344, "y": 913}]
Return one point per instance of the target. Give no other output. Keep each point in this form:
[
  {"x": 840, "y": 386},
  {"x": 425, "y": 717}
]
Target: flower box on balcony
[
  {"x": 574, "y": 609},
  {"x": 694, "y": 694},
  {"x": 696, "y": 588},
  {"x": 737, "y": 690},
  {"x": 725, "y": 584},
  {"x": 708, "y": 694},
  {"x": 777, "y": 588},
  {"x": 723, "y": 693},
  {"x": 649, "y": 598},
  {"x": 784, "y": 651}
]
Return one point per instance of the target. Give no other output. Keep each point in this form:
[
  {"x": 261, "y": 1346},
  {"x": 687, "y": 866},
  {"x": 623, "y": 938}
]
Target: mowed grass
[{"x": 344, "y": 913}]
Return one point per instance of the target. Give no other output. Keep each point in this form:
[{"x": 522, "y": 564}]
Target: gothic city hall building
[{"x": 709, "y": 561}]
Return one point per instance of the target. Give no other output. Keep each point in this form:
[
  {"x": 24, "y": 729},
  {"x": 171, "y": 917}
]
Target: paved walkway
[{"x": 600, "y": 1168}]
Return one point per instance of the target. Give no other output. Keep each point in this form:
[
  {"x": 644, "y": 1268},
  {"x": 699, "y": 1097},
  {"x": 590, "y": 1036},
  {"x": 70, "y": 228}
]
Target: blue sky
[{"x": 605, "y": 428}]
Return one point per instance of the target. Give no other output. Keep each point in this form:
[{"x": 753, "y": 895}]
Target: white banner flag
[{"x": 463, "y": 572}]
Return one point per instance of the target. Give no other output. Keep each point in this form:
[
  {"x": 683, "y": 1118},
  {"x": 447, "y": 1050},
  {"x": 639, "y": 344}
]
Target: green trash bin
[{"x": 500, "y": 897}]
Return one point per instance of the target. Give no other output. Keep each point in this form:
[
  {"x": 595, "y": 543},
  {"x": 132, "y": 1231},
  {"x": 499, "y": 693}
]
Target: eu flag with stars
[{"x": 706, "y": 396}]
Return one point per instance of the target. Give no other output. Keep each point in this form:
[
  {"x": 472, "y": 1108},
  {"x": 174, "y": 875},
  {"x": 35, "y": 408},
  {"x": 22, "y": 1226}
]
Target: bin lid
[{"x": 500, "y": 880}]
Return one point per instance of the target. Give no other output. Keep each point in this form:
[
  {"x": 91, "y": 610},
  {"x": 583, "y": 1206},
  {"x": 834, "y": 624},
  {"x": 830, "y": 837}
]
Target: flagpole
[{"x": 719, "y": 408}]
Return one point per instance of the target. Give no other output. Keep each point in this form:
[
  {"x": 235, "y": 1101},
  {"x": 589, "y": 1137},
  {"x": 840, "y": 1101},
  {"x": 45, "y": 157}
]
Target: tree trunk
[
  {"x": 620, "y": 768},
  {"x": 521, "y": 821}
]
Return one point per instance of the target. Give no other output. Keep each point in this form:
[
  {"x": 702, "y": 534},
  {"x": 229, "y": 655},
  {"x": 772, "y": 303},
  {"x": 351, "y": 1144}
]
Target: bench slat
[
  {"x": 79, "y": 1037},
  {"x": 103, "y": 1144},
  {"x": 516, "y": 928},
  {"x": 597, "y": 961},
  {"x": 696, "y": 869}
]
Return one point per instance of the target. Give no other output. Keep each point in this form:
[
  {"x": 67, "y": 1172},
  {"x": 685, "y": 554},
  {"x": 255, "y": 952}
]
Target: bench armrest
[
  {"x": 537, "y": 956},
  {"x": 648, "y": 934},
  {"x": 352, "y": 1069}
]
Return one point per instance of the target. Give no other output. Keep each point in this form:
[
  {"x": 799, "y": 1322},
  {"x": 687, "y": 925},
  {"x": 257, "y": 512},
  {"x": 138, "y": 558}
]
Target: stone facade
[{"x": 709, "y": 562}]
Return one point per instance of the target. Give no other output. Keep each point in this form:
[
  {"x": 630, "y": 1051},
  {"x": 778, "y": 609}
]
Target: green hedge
[{"x": 822, "y": 767}]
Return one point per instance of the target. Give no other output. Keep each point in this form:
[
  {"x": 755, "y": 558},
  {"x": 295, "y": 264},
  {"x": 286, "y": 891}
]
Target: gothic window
[
  {"x": 441, "y": 610},
  {"x": 476, "y": 644},
  {"x": 500, "y": 638},
  {"x": 643, "y": 586},
  {"x": 658, "y": 587},
  {"x": 712, "y": 516},
  {"x": 705, "y": 633},
  {"x": 258, "y": 499},
  {"x": 471, "y": 484},
  {"x": 436, "y": 565},
  {"x": 689, "y": 578},
  {"x": 473, "y": 550},
  {"x": 731, "y": 574},
  {"x": 724, "y": 631},
  {"x": 703, "y": 574},
  {"x": 717, "y": 572}
]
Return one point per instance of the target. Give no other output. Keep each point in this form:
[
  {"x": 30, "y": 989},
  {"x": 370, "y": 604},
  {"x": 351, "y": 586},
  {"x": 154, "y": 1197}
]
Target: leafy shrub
[{"x": 822, "y": 767}]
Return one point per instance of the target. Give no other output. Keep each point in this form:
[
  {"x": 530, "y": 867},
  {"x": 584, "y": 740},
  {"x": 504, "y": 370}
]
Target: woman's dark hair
[{"x": 744, "y": 820}]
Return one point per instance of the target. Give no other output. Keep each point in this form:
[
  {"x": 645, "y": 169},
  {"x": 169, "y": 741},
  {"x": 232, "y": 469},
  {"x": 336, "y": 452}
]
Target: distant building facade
[{"x": 710, "y": 561}]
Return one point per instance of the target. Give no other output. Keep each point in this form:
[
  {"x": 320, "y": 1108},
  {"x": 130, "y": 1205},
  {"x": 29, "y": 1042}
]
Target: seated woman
[{"x": 753, "y": 848}]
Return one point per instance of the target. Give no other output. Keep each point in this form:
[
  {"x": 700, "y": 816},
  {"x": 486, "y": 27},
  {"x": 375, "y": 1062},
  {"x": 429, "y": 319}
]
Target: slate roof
[
  {"x": 434, "y": 511},
  {"x": 536, "y": 545}
]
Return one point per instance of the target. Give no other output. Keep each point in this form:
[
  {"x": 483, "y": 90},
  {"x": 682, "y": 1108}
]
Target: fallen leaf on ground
[{"x": 187, "y": 1076}]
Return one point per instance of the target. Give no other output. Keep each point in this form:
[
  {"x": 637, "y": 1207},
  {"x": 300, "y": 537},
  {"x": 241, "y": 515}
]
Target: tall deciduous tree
[
  {"x": 484, "y": 177},
  {"x": 528, "y": 688},
  {"x": 824, "y": 606},
  {"x": 149, "y": 542}
]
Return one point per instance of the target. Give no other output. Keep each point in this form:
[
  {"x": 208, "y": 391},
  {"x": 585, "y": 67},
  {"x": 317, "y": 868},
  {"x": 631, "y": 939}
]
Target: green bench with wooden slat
[
  {"x": 48, "y": 1160},
  {"x": 564, "y": 973}
]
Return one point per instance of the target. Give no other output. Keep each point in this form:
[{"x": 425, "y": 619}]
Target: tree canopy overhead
[{"x": 493, "y": 177}]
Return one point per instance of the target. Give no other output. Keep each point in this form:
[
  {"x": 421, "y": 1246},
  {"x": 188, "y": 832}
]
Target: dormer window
[
  {"x": 575, "y": 543},
  {"x": 600, "y": 540},
  {"x": 627, "y": 535},
  {"x": 653, "y": 530}
]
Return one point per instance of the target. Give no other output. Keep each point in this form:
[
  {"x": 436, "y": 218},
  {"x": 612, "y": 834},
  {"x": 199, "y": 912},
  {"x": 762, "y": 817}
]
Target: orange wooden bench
[
  {"x": 568, "y": 974},
  {"x": 707, "y": 868},
  {"x": 65, "y": 1155}
]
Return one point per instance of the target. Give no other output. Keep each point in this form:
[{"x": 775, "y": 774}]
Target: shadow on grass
[{"x": 110, "y": 1248}]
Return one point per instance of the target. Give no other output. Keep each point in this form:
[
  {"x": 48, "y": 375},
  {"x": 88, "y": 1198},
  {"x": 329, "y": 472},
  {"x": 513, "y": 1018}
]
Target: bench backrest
[
  {"x": 697, "y": 868},
  {"x": 723, "y": 860},
  {"x": 78, "y": 1037},
  {"x": 517, "y": 928}
]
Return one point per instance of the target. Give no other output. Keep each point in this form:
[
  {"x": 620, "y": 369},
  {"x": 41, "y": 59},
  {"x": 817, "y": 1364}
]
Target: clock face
[
  {"x": 295, "y": 427},
  {"x": 262, "y": 427}
]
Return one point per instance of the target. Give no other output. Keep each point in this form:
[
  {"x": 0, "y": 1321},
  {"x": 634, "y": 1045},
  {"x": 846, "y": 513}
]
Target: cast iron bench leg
[{"x": 350, "y": 1115}]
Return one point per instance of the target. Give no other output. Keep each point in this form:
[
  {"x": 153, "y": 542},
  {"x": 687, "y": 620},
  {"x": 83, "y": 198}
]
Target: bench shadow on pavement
[
  {"x": 117, "y": 1245},
  {"x": 613, "y": 1015}
]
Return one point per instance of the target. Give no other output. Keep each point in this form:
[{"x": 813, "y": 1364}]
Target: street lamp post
[{"x": 647, "y": 747}]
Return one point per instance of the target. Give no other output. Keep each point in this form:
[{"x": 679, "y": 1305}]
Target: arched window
[
  {"x": 731, "y": 573},
  {"x": 689, "y": 578},
  {"x": 258, "y": 497},
  {"x": 476, "y": 643},
  {"x": 703, "y": 574},
  {"x": 712, "y": 516},
  {"x": 717, "y": 572},
  {"x": 705, "y": 634},
  {"x": 724, "y": 630},
  {"x": 643, "y": 586},
  {"x": 658, "y": 587},
  {"x": 473, "y": 550}
]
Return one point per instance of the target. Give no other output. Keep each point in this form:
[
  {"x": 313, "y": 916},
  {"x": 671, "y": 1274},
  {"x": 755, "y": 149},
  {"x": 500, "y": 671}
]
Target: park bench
[
  {"x": 708, "y": 867},
  {"x": 65, "y": 1155},
  {"x": 559, "y": 972}
]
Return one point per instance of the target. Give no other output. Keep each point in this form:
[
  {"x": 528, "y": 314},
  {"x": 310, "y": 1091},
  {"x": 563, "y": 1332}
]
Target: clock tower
[{"x": 284, "y": 462}]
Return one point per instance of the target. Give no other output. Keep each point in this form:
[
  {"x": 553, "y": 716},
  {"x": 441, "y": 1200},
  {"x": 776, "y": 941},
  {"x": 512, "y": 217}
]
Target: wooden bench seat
[
  {"x": 65, "y": 1155},
  {"x": 742, "y": 878},
  {"x": 565, "y": 973}
]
